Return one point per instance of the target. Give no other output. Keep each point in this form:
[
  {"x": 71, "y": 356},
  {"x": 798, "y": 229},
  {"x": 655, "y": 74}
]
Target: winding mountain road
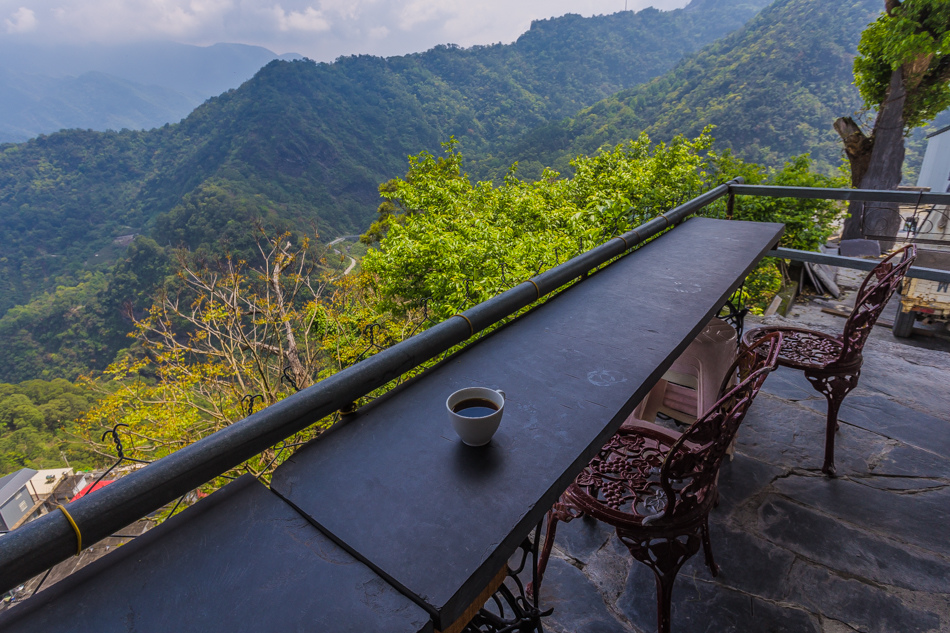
[{"x": 352, "y": 264}]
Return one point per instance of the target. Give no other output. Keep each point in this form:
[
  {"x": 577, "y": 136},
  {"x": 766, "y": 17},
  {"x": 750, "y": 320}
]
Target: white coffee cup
[{"x": 476, "y": 413}]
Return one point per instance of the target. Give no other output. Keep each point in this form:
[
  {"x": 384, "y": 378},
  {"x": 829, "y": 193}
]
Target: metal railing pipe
[
  {"x": 914, "y": 272},
  {"x": 50, "y": 539},
  {"x": 867, "y": 195}
]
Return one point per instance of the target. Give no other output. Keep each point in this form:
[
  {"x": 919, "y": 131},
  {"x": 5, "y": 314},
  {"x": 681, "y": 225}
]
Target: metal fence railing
[
  {"x": 903, "y": 216},
  {"x": 52, "y": 538},
  {"x": 915, "y": 272}
]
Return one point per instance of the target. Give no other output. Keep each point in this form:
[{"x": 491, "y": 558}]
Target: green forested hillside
[
  {"x": 77, "y": 328},
  {"x": 772, "y": 89},
  {"x": 38, "y": 425},
  {"x": 300, "y": 146},
  {"x": 309, "y": 143}
]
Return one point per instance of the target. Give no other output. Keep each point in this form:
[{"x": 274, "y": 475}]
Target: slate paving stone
[
  {"x": 910, "y": 461},
  {"x": 868, "y": 552},
  {"x": 790, "y": 384},
  {"x": 894, "y": 420},
  {"x": 792, "y": 436},
  {"x": 701, "y": 606},
  {"x": 827, "y": 541},
  {"x": 741, "y": 479},
  {"x": 608, "y": 568},
  {"x": 899, "y": 483},
  {"x": 578, "y": 606},
  {"x": 914, "y": 384},
  {"x": 875, "y": 447},
  {"x": 861, "y": 606},
  {"x": 746, "y": 562},
  {"x": 920, "y": 518},
  {"x": 595, "y": 547},
  {"x": 581, "y": 538}
]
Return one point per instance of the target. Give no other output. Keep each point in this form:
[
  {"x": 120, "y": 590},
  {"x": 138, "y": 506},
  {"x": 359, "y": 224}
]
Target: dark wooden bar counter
[{"x": 395, "y": 486}]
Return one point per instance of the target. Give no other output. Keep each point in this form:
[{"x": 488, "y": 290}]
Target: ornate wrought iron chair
[
  {"x": 832, "y": 364},
  {"x": 656, "y": 486}
]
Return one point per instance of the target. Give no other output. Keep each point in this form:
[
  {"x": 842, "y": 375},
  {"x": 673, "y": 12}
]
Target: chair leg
[
  {"x": 834, "y": 387},
  {"x": 562, "y": 511},
  {"x": 707, "y": 548},
  {"x": 664, "y": 555},
  {"x": 545, "y": 549}
]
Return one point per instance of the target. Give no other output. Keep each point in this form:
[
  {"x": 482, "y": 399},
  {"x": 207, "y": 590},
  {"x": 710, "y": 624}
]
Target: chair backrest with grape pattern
[
  {"x": 689, "y": 472},
  {"x": 876, "y": 290}
]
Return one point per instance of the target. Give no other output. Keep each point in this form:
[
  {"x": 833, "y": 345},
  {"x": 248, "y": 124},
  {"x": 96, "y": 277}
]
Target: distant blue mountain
[{"x": 44, "y": 89}]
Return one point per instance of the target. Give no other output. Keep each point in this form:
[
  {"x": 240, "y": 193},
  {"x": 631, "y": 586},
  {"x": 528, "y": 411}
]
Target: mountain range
[
  {"x": 44, "y": 89},
  {"x": 303, "y": 146},
  {"x": 771, "y": 90},
  {"x": 307, "y": 144}
]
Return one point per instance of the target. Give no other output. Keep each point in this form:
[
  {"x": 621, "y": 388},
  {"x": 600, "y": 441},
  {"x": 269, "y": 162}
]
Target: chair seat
[
  {"x": 801, "y": 348},
  {"x": 621, "y": 485}
]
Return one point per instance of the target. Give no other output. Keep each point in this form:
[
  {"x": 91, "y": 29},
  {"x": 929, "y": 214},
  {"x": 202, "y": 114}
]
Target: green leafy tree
[
  {"x": 902, "y": 71},
  {"x": 38, "y": 425},
  {"x": 450, "y": 244},
  {"x": 808, "y": 222},
  {"x": 79, "y": 328}
]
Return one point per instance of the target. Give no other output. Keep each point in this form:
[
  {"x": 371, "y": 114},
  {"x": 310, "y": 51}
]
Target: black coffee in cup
[
  {"x": 475, "y": 413},
  {"x": 475, "y": 408}
]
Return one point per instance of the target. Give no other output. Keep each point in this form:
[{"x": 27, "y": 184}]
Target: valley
[{"x": 315, "y": 151}]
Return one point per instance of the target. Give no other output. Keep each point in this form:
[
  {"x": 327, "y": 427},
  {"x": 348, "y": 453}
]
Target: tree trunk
[
  {"x": 857, "y": 147},
  {"x": 876, "y": 163},
  {"x": 292, "y": 352}
]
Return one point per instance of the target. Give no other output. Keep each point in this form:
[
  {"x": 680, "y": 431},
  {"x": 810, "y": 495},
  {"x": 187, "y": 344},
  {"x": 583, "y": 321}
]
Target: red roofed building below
[{"x": 91, "y": 487}]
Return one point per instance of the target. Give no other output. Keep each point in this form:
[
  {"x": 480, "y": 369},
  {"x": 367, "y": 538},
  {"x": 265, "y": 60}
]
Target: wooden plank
[
  {"x": 842, "y": 313},
  {"x": 478, "y": 603},
  {"x": 773, "y": 307}
]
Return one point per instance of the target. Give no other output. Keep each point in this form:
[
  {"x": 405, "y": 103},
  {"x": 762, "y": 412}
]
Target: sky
[{"x": 320, "y": 29}]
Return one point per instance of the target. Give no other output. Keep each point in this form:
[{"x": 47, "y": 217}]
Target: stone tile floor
[{"x": 868, "y": 551}]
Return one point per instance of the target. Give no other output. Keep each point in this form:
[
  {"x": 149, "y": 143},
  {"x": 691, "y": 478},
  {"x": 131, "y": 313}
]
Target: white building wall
[
  {"x": 935, "y": 170},
  {"x": 43, "y": 482},
  {"x": 14, "y": 509}
]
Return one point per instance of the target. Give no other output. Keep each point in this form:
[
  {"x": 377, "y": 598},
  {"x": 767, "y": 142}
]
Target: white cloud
[
  {"x": 349, "y": 9},
  {"x": 112, "y": 21},
  {"x": 416, "y": 12},
  {"x": 309, "y": 19},
  {"x": 22, "y": 20},
  {"x": 503, "y": 20},
  {"x": 378, "y": 27}
]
